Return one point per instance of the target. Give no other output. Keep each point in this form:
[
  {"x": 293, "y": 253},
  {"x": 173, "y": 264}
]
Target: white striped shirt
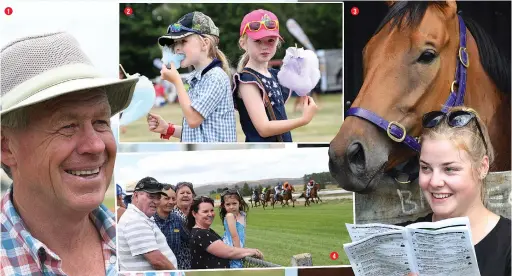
[{"x": 138, "y": 234}]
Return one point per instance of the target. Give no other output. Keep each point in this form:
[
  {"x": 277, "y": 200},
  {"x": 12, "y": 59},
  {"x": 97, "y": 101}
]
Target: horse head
[{"x": 420, "y": 59}]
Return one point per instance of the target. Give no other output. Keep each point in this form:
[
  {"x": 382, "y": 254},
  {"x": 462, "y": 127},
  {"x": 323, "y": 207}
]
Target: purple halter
[{"x": 395, "y": 130}]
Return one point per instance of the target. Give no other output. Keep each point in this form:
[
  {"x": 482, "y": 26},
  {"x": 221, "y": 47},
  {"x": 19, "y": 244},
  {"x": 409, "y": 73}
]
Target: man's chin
[{"x": 86, "y": 203}]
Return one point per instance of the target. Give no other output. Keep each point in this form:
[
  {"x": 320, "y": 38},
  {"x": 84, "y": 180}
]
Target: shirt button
[{"x": 112, "y": 259}]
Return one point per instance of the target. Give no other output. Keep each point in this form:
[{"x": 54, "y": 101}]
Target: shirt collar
[
  {"x": 198, "y": 74},
  {"x": 158, "y": 218},
  {"x": 102, "y": 218}
]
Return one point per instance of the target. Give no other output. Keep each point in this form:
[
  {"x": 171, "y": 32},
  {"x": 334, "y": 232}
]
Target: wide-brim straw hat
[{"x": 38, "y": 68}]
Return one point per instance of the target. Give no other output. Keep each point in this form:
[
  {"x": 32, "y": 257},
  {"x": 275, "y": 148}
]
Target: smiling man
[
  {"x": 58, "y": 148},
  {"x": 142, "y": 246}
]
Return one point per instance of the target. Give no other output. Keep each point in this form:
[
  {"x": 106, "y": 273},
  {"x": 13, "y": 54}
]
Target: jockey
[
  {"x": 278, "y": 189},
  {"x": 309, "y": 186},
  {"x": 286, "y": 187},
  {"x": 254, "y": 194}
]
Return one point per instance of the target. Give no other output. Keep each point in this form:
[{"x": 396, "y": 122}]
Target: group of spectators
[{"x": 166, "y": 227}]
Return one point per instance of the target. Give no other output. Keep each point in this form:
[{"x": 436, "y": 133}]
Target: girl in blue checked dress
[
  {"x": 208, "y": 109},
  {"x": 233, "y": 214},
  {"x": 258, "y": 96}
]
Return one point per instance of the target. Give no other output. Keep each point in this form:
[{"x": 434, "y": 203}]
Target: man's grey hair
[{"x": 16, "y": 119}]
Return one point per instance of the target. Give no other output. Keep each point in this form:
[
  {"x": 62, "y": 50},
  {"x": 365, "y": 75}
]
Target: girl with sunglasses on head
[
  {"x": 258, "y": 96},
  {"x": 233, "y": 212},
  {"x": 455, "y": 157},
  {"x": 208, "y": 249},
  {"x": 209, "y": 115}
]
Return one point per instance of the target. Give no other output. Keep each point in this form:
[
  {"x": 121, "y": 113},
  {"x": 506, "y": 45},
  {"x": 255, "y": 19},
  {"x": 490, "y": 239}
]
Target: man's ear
[{"x": 6, "y": 145}]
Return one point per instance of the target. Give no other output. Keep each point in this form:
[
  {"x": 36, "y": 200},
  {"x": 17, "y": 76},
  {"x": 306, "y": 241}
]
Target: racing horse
[
  {"x": 266, "y": 197},
  {"x": 424, "y": 56},
  {"x": 255, "y": 198},
  {"x": 287, "y": 195},
  {"x": 312, "y": 195}
]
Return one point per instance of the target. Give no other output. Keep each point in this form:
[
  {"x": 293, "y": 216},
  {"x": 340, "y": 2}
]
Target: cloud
[{"x": 200, "y": 167}]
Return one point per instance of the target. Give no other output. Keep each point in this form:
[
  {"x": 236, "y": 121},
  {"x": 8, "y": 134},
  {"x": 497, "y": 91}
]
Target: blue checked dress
[{"x": 240, "y": 229}]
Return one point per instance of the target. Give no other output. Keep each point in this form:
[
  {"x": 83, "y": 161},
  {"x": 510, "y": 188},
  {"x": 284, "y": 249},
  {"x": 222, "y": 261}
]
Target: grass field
[
  {"x": 283, "y": 232},
  {"x": 322, "y": 128}
]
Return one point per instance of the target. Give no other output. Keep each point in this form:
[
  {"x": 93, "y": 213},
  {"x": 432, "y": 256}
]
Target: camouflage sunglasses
[{"x": 177, "y": 27}]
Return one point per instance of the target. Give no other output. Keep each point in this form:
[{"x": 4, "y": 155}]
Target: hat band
[{"x": 47, "y": 79}]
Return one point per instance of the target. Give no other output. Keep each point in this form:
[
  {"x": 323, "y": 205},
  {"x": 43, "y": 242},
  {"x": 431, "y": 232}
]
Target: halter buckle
[
  {"x": 463, "y": 50},
  {"x": 452, "y": 87},
  {"x": 388, "y": 131}
]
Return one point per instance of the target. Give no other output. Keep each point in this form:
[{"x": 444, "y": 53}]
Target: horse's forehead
[{"x": 434, "y": 27}]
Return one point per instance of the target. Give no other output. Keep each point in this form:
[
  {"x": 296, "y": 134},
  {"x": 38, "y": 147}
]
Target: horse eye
[{"x": 427, "y": 57}]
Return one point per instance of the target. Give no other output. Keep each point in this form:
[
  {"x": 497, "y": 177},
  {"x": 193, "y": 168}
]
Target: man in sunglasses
[{"x": 142, "y": 246}]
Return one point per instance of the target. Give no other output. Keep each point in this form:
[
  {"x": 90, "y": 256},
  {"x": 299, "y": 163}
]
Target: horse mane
[
  {"x": 494, "y": 63},
  {"x": 410, "y": 14}
]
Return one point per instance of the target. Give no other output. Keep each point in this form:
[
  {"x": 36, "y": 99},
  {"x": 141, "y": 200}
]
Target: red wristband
[{"x": 169, "y": 133}]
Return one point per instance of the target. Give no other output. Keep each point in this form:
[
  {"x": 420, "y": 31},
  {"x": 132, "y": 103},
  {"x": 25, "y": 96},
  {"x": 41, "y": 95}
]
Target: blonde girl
[{"x": 208, "y": 109}]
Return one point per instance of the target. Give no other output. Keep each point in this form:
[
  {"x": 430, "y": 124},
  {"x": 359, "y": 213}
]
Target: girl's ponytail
[
  {"x": 215, "y": 52},
  {"x": 242, "y": 62},
  {"x": 225, "y": 63}
]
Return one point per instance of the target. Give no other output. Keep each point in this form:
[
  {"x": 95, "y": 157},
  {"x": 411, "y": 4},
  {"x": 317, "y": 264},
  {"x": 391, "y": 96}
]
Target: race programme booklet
[{"x": 427, "y": 248}]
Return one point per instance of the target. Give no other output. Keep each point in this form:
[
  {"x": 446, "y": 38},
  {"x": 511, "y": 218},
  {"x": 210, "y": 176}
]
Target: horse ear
[
  {"x": 452, "y": 7},
  {"x": 390, "y": 3}
]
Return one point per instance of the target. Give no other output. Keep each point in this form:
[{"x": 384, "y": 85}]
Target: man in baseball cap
[
  {"x": 59, "y": 150},
  {"x": 150, "y": 186},
  {"x": 142, "y": 246}
]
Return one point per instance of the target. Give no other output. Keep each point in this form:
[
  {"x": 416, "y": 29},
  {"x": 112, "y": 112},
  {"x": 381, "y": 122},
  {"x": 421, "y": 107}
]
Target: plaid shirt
[
  {"x": 22, "y": 254},
  {"x": 210, "y": 95},
  {"x": 171, "y": 228}
]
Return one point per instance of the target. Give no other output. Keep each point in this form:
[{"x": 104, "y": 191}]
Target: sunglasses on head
[
  {"x": 458, "y": 118},
  {"x": 176, "y": 28},
  {"x": 255, "y": 26},
  {"x": 168, "y": 186},
  {"x": 230, "y": 192}
]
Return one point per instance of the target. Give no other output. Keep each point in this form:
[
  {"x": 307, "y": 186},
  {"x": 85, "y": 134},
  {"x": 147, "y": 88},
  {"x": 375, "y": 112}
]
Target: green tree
[
  {"x": 322, "y": 23},
  {"x": 246, "y": 191}
]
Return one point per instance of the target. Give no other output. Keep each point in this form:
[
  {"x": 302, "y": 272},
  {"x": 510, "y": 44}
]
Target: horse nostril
[{"x": 356, "y": 159}]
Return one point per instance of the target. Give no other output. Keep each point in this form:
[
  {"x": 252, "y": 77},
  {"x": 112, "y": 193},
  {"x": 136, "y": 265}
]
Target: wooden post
[{"x": 304, "y": 259}]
